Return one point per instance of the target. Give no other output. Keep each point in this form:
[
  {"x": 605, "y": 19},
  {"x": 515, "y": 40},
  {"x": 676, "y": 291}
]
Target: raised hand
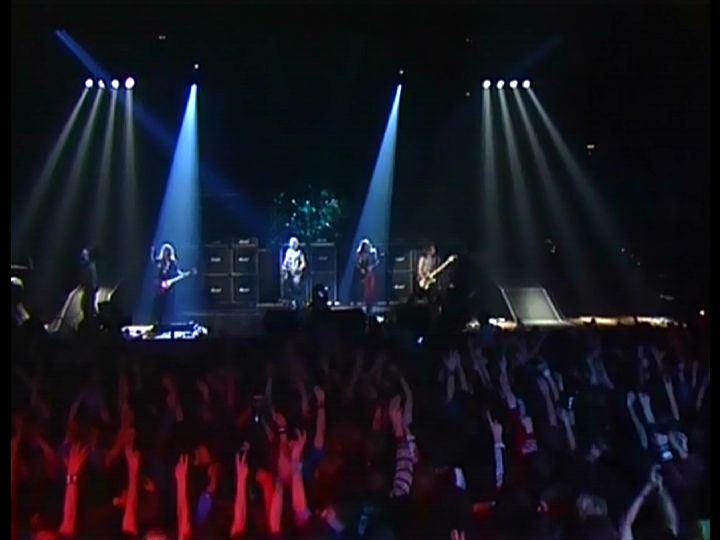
[
  {"x": 204, "y": 389},
  {"x": 451, "y": 361},
  {"x": 679, "y": 442},
  {"x": 543, "y": 385},
  {"x": 658, "y": 354},
  {"x": 297, "y": 446},
  {"x": 279, "y": 419},
  {"x": 76, "y": 459},
  {"x": 395, "y": 410},
  {"x": 319, "y": 396},
  {"x": 655, "y": 479},
  {"x": 495, "y": 428},
  {"x": 181, "y": 469},
  {"x": 241, "y": 466},
  {"x": 213, "y": 477},
  {"x": 630, "y": 399},
  {"x": 132, "y": 457}
]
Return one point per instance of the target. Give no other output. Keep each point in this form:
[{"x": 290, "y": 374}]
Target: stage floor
[{"x": 254, "y": 322}]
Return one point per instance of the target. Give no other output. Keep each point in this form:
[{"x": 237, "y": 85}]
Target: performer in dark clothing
[
  {"x": 89, "y": 284},
  {"x": 167, "y": 274},
  {"x": 365, "y": 263}
]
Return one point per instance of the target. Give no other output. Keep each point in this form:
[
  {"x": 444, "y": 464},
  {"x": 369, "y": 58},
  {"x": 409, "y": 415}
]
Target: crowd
[{"x": 576, "y": 433}]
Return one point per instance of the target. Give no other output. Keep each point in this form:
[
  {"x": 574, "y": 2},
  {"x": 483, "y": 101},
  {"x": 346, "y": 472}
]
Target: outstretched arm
[
  {"x": 240, "y": 508},
  {"x": 75, "y": 463},
  {"x": 320, "y": 420},
  {"x": 654, "y": 482},
  {"x": 183, "y": 506},
  {"x": 130, "y": 515},
  {"x": 404, "y": 465},
  {"x": 299, "y": 501}
]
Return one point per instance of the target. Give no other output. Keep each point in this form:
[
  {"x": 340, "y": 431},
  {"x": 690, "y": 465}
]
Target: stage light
[
  {"x": 500, "y": 85},
  {"x": 513, "y": 84},
  {"x": 401, "y": 72},
  {"x": 702, "y": 312},
  {"x": 526, "y": 83},
  {"x": 115, "y": 84},
  {"x": 89, "y": 83},
  {"x": 486, "y": 84},
  {"x": 129, "y": 83},
  {"x": 467, "y": 94},
  {"x": 196, "y": 67},
  {"x": 101, "y": 83}
]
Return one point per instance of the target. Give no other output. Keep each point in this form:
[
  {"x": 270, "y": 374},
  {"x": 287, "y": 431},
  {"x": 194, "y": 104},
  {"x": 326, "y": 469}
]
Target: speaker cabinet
[
  {"x": 245, "y": 290},
  {"x": 400, "y": 286},
  {"x": 217, "y": 260},
  {"x": 245, "y": 259},
  {"x": 400, "y": 259},
  {"x": 323, "y": 258},
  {"x": 218, "y": 290}
]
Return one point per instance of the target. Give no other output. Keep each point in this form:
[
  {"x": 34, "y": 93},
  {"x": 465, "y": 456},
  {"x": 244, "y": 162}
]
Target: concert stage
[{"x": 269, "y": 319}]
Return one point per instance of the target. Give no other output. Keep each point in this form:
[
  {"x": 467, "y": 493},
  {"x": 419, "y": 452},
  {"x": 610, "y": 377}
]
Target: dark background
[{"x": 296, "y": 95}]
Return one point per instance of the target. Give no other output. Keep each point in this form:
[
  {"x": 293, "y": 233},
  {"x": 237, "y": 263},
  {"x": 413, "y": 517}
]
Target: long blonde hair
[
  {"x": 368, "y": 243},
  {"x": 171, "y": 248}
]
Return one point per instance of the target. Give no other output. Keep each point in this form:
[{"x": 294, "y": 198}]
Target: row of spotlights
[
  {"x": 115, "y": 84},
  {"x": 501, "y": 84}
]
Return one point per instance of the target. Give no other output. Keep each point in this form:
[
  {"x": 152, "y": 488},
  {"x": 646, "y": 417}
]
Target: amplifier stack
[{"x": 230, "y": 273}]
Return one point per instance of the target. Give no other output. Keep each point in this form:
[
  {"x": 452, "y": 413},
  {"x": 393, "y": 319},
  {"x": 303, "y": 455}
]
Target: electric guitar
[
  {"x": 428, "y": 281},
  {"x": 365, "y": 271},
  {"x": 295, "y": 275},
  {"x": 166, "y": 284}
]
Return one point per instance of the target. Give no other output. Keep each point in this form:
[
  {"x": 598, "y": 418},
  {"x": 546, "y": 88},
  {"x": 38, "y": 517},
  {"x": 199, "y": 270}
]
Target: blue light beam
[
  {"x": 215, "y": 183},
  {"x": 179, "y": 221},
  {"x": 374, "y": 221},
  {"x": 19, "y": 234}
]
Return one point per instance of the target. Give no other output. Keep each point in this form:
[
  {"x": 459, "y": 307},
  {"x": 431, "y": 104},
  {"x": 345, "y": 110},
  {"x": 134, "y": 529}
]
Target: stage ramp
[{"x": 532, "y": 306}]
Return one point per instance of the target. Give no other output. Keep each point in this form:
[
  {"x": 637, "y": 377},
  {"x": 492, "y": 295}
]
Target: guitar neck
[{"x": 442, "y": 267}]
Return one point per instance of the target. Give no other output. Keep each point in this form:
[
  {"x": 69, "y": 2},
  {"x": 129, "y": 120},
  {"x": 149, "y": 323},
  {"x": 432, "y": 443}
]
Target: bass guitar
[{"x": 428, "y": 281}]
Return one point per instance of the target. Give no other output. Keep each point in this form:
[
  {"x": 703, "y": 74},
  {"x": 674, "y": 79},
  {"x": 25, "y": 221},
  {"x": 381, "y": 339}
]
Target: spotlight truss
[
  {"x": 114, "y": 83},
  {"x": 500, "y": 84}
]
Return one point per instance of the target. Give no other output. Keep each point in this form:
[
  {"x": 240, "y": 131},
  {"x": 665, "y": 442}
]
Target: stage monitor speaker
[
  {"x": 400, "y": 286},
  {"x": 328, "y": 280},
  {"x": 400, "y": 259},
  {"x": 323, "y": 258},
  {"x": 218, "y": 290},
  {"x": 245, "y": 259},
  {"x": 531, "y": 306},
  {"x": 217, "y": 260},
  {"x": 245, "y": 290}
]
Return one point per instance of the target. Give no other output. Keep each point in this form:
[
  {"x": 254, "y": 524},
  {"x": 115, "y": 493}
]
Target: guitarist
[
  {"x": 293, "y": 271},
  {"x": 427, "y": 262},
  {"x": 366, "y": 261},
  {"x": 167, "y": 270}
]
